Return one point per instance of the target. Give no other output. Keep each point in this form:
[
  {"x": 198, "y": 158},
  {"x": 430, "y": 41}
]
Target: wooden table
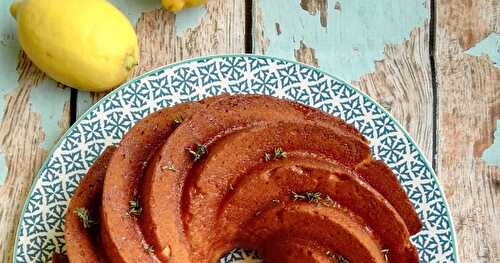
[{"x": 433, "y": 63}]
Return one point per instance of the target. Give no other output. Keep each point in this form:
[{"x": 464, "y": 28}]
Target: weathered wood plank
[
  {"x": 402, "y": 84},
  {"x": 165, "y": 38},
  {"x": 26, "y": 136},
  {"x": 364, "y": 42},
  {"x": 469, "y": 105},
  {"x": 33, "y": 112}
]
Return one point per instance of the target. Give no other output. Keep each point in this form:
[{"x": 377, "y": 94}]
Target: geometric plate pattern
[{"x": 40, "y": 231}]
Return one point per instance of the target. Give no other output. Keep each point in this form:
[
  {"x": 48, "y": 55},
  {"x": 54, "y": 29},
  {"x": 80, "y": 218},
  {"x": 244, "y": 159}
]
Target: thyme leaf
[
  {"x": 313, "y": 197},
  {"x": 178, "y": 120},
  {"x": 169, "y": 167},
  {"x": 199, "y": 151},
  {"x": 327, "y": 201},
  {"x": 337, "y": 257},
  {"x": 149, "y": 249},
  {"x": 134, "y": 207},
  {"x": 340, "y": 258},
  {"x": 85, "y": 217},
  {"x": 385, "y": 253},
  {"x": 279, "y": 153}
]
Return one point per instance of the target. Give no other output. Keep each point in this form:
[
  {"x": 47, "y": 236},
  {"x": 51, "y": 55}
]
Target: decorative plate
[{"x": 40, "y": 230}]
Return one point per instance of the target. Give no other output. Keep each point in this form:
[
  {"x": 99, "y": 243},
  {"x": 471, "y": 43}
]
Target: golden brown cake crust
[
  {"x": 82, "y": 243},
  {"x": 234, "y": 170}
]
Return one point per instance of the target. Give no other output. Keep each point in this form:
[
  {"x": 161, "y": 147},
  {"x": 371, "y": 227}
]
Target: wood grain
[
  {"x": 402, "y": 84},
  {"x": 468, "y": 105},
  {"x": 306, "y": 55},
  {"x": 315, "y": 6},
  {"x": 401, "y": 79},
  {"x": 21, "y": 137},
  {"x": 220, "y": 31},
  {"x": 467, "y": 95}
]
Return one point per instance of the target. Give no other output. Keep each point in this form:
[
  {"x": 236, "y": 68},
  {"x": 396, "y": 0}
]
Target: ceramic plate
[{"x": 40, "y": 230}]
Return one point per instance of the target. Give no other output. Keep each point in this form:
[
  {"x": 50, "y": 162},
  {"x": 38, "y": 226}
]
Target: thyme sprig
[
  {"x": 340, "y": 258},
  {"x": 337, "y": 257},
  {"x": 327, "y": 200},
  {"x": 313, "y": 197},
  {"x": 170, "y": 167},
  {"x": 385, "y": 253},
  {"x": 149, "y": 249},
  {"x": 85, "y": 217},
  {"x": 134, "y": 207},
  {"x": 198, "y": 152},
  {"x": 268, "y": 157},
  {"x": 178, "y": 120},
  {"x": 278, "y": 153}
]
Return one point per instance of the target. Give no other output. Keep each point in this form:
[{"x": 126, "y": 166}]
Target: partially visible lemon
[
  {"x": 177, "y": 5},
  {"x": 85, "y": 44}
]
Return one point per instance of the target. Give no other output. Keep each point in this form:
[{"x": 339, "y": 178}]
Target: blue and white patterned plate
[{"x": 40, "y": 230}]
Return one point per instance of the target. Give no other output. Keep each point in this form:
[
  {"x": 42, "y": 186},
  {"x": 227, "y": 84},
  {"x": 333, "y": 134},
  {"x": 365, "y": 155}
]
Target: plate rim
[{"x": 233, "y": 55}]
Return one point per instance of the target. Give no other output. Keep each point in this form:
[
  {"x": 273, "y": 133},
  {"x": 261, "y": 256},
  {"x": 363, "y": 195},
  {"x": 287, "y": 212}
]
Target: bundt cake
[{"x": 190, "y": 182}]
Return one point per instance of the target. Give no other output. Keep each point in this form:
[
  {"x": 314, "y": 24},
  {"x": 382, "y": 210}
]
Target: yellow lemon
[
  {"x": 85, "y": 44},
  {"x": 177, "y": 5}
]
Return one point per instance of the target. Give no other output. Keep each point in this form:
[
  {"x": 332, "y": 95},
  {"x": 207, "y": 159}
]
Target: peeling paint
[
  {"x": 338, "y": 6},
  {"x": 313, "y": 6},
  {"x": 261, "y": 42},
  {"x": 185, "y": 19},
  {"x": 9, "y": 50},
  {"x": 49, "y": 100},
  {"x": 354, "y": 28},
  {"x": 489, "y": 46},
  {"x": 278, "y": 28},
  {"x": 134, "y": 8},
  {"x": 84, "y": 102},
  {"x": 306, "y": 55},
  {"x": 189, "y": 18},
  {"x": 492, "y": 155}
]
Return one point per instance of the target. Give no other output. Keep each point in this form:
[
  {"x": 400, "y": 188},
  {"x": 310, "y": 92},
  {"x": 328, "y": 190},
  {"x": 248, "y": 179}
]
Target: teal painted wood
[
  {"x": 189, "y": 18},
  {"x": 9, "y": 48},
  {"x": 349, "y": 38},
  {"x": 84, "y": 101},
  {"x": 490, "y": 46},
  {"x": 381, "y": 47},
  {"x": 492, "y": 154},
  {"x": 34, "y": 112},
  {"x": 46, "y": 98}
]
